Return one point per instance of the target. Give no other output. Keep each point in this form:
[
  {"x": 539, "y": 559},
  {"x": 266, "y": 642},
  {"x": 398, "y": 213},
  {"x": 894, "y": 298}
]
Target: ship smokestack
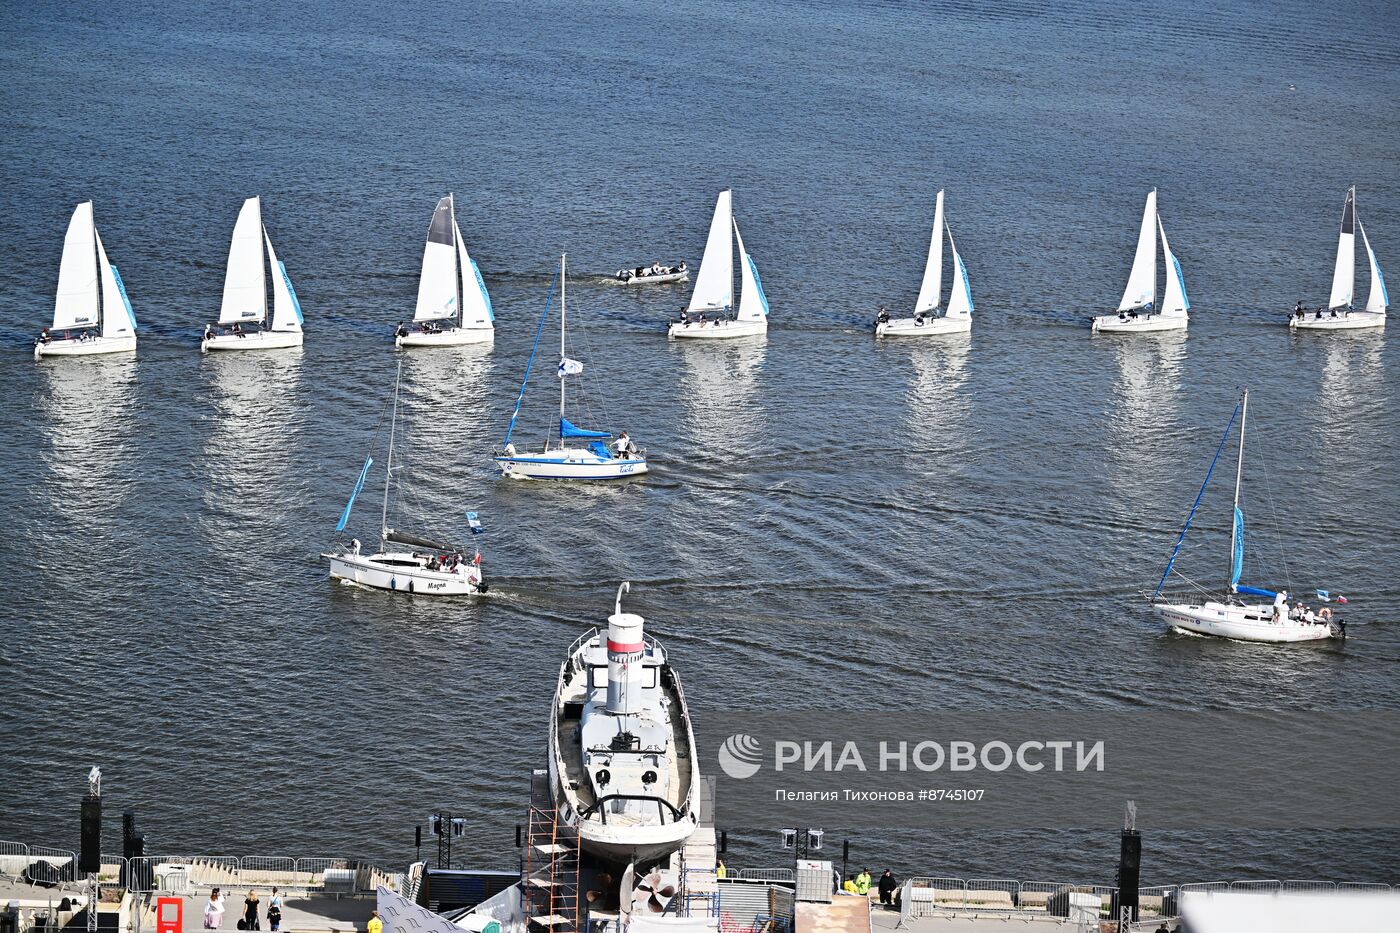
[{"x": 625, "y": 649}]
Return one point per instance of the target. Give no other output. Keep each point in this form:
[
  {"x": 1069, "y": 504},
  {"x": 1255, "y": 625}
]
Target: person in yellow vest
[
  {"x": 863, "y": 882},
  {"x": 850, "y": 886},
  {"x": 375, "y": 925},
  {"x": 720, "y": 870}
]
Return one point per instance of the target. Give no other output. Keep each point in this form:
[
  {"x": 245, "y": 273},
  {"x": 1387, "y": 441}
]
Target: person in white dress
[{"x": 214, "y": 911}]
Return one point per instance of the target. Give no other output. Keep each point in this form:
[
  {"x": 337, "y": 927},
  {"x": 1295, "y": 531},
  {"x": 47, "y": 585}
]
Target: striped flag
[
  {"x": 1324, "y": 596},
  {"x": 474, "y": 524}
]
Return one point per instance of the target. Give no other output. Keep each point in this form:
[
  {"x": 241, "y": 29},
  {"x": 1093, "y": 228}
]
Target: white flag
[{"x": 569, "y": 367}]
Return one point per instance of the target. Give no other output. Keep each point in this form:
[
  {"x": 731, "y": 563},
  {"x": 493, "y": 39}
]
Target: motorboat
[
  {"x": 1136, "y": 314},
  {"x": 710, "y": 314},
  {"x": 1232, "y": 616},
  {"x": 92, "y": 313},
  {"x": 405, "y": 562},
  {"x": 1339, "y": 313},
  {"x": 654, "y": 274},
  {"x": 244, "y": 322},
  {"x": 622, "y": 759},
  {"x": 572, "y": 452},
  {"x": 927, "y": 321},
  {"x": 453, "y": 306}
]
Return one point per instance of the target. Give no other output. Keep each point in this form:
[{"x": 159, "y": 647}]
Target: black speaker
[
  {"x": 418, "y": 837},
  {"x": 1129, "y": 872},
  {"x": 90, "y": 849}
]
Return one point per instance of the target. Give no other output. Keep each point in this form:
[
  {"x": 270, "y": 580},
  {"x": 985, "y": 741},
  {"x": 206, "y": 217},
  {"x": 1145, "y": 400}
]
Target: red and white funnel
[{"x": 625, "y": 649}]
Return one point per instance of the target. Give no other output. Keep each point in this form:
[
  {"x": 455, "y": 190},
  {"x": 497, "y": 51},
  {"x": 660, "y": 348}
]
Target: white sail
[
  {"x": 1142, "y": 281},
  {"x": 117, "y": 319},
  {"x": 931, "y": 290},
  {"x": 437, "y": 286},
  {"x": 1344, "y": 276},
  {"x": 714, "y": 283},
  {"x": 960, "y": 299},
  {"x": 1377, "y": 300},
  {"x": 753, "y": 304},
  {"x": 476, "y": 303},
  {"x": 245, "y": 286},
  {"x": 1174, "y": 300},
  {"x": 75, "y": 304},
  {"x": 286, "y": 310}
]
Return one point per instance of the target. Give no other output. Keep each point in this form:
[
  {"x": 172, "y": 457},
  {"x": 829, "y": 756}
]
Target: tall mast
[
  {"x": 563, "y": 313},
  {"x": 1239, "y": 473},
  {"x": 389, "y": 460},
  {"x": 97, "y": 261},
  {"x": 459, "y": 280},
  {"x": 1157, "y": 222}
]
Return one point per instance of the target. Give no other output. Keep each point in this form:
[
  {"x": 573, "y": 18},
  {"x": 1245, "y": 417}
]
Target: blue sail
[
  {"x": 1239, "y": 550},
  {"x": 568, "y": 429},
  {"x": 1197, "y": 504},
  {"x": 758, "y": 284},
  {"x": 131, "y": 315},
  {"x": 359, "y": 485},
  {"x": 291, "y": 292},
  {"x": 1255, "y": 591}
]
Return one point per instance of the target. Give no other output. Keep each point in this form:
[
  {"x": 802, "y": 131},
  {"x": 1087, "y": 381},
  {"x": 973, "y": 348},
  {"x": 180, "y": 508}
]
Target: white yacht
[
  {"x": 453, "y": 306},
  {"x": 422, "y": 566},
  {"x": 1231, "y": 616},
  {"x": 1339, "y": 313},
  {"x": 622, "y": 761},
  {"x": 710, "y": 314},
  {"x": 244, "y": 323},
  {"x": 1138, "y": 312},
  {"x": 91, "y": 312},
  {"x": 927, "y": 322}
]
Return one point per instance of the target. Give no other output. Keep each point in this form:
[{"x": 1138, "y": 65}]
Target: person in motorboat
[{"x": 656, "y": 268}]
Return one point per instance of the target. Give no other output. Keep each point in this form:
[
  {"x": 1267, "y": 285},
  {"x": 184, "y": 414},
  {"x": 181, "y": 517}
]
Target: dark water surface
[{"x": 832, "y": 523}]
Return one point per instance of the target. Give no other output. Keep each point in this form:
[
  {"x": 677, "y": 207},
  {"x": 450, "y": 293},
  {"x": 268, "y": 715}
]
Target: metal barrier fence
[
  {"x": 14, "y": 859},
  {"x": 63, "y": 862},
  {"x": 762, "y": 874},
  {"x": 929, "y": 896}
]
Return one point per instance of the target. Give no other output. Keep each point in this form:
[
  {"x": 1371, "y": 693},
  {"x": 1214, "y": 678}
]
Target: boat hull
[
  {"x": 419, "y": 581},
  {"x": 72, "y": 346},
  {"x": 656, "y": 279},
  {"x": 1240, "y": 623},
  {"x": 450, "y": 337},
  {"x": 716, "y": 330},
  {"x": 575, "y": 466},
  {"x": 930, "y": 327},
  {"x": 256, "y": 340},
  {"x": 1142, "y": 324},
  {"x": 1350, "y": 320}
]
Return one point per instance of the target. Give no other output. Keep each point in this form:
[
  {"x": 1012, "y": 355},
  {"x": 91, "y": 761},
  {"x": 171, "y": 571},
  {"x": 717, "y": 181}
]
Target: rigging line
[
  {"x": 538, "y": 331},
  {"x": 1195, "y": 505},
  {"x": 1278, "y": 536}
]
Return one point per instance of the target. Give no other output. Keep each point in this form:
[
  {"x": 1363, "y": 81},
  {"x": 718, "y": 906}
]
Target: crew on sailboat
[{"x": 623, "y": 445}]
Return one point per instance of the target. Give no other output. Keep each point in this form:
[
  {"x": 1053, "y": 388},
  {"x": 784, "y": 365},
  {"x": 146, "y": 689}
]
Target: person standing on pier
[
  {"x": 887, "y": 886},
  {"x": 863, "y": 882},
  {"x": 250, "y": 911},
  {"x": 274, "y": 912},
  {"x": 214, "y": 911},
  {"x": 375, "y": 925}
]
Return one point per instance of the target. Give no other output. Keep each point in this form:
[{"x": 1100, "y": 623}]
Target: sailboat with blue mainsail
[
  {"x": 574, "y": 453},
  {"x": 405, "y": 562},
  {"x": 1339, "y": 314},
  {"x": 1231, "y": 616},
  {"x": 1138, "y": 312},
  {"x": 927, "y": 322}
]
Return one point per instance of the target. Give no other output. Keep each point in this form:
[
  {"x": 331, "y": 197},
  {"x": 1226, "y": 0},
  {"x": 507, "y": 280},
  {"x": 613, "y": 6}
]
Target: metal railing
[
  {"x": 762, "y": 874},
  {"x": 14, "y": 859},
  {"x": 930, "y": 896}
]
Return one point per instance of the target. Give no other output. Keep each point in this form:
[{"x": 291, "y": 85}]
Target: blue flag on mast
[{"x": 474, "y": 524}]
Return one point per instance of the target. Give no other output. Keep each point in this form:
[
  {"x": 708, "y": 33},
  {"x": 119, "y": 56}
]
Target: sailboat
[
  {"x": 590, "y": 458},
  {"x": 1230, "y": 616},
  {"x": 709, "y": 315},
  {"x": 423, "y": 566},
  {"x": 1135, "y": 312},
  {"x": 243, "y": 318},
  {"x": 623, "y": 766},
  {"x": 1339, "y": 314},
  {"x": 453, "y": 306},
  {"x": 91, "y": 310},
  {"x": 926, "y": 322}
]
